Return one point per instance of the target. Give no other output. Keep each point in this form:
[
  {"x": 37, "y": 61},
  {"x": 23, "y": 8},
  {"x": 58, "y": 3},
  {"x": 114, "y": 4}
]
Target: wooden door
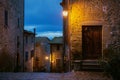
[
  {"x": 58, "y": 65},
  {"x": 92, "y": 42}
]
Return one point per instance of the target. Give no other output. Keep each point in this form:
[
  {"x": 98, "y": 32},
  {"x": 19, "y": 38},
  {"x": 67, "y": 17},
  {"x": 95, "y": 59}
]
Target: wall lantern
[
  {"x": 65, "y": 13},
  {"x": 46, "y": 58}
]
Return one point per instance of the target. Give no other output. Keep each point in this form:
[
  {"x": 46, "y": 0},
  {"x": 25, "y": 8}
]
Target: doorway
[{"x": 91, "y": 42}]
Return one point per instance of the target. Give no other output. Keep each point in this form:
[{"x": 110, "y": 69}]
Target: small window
[
  {"x": 6, "y": 18},
  {"x": 58, "y": 47},
  {"x": 26, "y": 56},
  {"x": 18, "y": 59},
  {"x": 18, "y": 42},
  {"x": 32, "y": 53},
  {"x": 32, "y": 39},
  {"x": 18, "y": 22},
  {"x": 26, "y": 39}
]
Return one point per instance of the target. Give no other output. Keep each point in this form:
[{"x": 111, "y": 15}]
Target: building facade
[
  {"x": 42, "y": 55},
  {"x": 91, "y": 27},
  {"x": 56, "y": 54},
  {"x": 11, "y": 35},
  {"x": 29, "y": 48}
]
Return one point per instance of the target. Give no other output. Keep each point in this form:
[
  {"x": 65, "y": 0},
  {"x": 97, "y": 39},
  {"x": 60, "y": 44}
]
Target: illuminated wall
[
  {"x": 56, "y": 57},
  {"x": 93, "y": 12}
]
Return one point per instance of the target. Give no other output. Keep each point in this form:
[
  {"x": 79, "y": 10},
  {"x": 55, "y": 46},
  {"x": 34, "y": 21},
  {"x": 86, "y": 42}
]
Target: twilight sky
[{"x": 45, "y": 16}]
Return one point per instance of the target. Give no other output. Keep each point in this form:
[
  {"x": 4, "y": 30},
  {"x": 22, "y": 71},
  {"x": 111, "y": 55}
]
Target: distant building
[
  {"x": 29, "y": 48},
  {"x": 56, "y": 54},
  {"x": 90, "y": 28},
  {"x": 42, "y": 54},
  {"x": 11, "y": 35}
]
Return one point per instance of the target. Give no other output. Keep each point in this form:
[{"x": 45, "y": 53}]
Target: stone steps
[
  {"x": 87, "y": 65},
  {"x": 92, "y": 65}
]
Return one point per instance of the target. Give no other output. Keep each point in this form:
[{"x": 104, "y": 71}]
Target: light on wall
[{"x": 65, "y": 13}]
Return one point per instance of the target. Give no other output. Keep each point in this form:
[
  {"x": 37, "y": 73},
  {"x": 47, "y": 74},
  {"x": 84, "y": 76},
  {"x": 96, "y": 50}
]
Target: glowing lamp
[
  {"x": 46, "y": 57},
  {"x": 65, "y": 13}
]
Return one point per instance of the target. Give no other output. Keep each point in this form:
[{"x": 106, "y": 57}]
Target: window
[
  {"x": 6, "y": 18},
  {"x": 32, "y": 39},
  {"x": 58, "y": 47},
  {"x": 18, "y": 22},
  {"x": 32, "y": 53},
  {"x": 18, "y": 43},
  {"x": 26, "y": 56},
  {"x": 26, "y": 39}
]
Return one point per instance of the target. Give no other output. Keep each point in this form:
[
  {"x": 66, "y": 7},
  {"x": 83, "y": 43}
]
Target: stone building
[
  {"x": 29, "y": 48},
  {"x": 90, "y": 27},
  {"x": 56, "y": 51},
  {"x": 11, "y": 35},
  {"x": 42, "y": 54}
]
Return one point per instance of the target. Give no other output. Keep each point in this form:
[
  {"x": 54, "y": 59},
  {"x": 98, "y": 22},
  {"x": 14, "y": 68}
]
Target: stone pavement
[{"x": 54, "y": 76}]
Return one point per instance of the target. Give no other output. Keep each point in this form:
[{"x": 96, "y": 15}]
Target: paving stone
[{"x": 54, "y": 76}]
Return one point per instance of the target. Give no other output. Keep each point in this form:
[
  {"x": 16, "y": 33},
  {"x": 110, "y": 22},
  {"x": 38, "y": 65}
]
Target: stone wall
[
  {"x": 10, "y": 32},
  {"x": 42, "y": 50},
  {"x": 56, "y": 54},
  {"x": 29, "y": 48},
  {"x": 40, "y": 55},
  {"x": 93, "y": 12}
]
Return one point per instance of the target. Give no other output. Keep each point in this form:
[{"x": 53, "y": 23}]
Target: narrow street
[
  {"x": 54, "y": 76},
  {"x": 42, "y": 39}
]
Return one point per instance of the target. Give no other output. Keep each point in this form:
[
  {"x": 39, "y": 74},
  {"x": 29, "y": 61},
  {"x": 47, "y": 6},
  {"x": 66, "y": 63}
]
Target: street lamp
[
  {"x": 65, "y": 13},
  {"x": 46, "y": 58}
]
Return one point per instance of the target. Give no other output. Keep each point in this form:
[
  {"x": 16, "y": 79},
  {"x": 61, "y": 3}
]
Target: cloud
[
  {"x": 50, "y": 34},
  {"x": 45, "y": 16},
  {"x": 44, "y": 28},
  {"x": 49, "y": 31},
  {"x": 29, "y": 27}
]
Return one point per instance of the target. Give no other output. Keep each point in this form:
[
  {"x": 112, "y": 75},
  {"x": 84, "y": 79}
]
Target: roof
[
  {"x": 42, "y": 39},
  {"x": 57, "y": 40},
  {"x": 28, "y": 32}
]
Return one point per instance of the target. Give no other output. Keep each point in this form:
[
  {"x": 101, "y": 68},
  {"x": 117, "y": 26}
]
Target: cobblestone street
[{"x": 54, "y": 76}]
